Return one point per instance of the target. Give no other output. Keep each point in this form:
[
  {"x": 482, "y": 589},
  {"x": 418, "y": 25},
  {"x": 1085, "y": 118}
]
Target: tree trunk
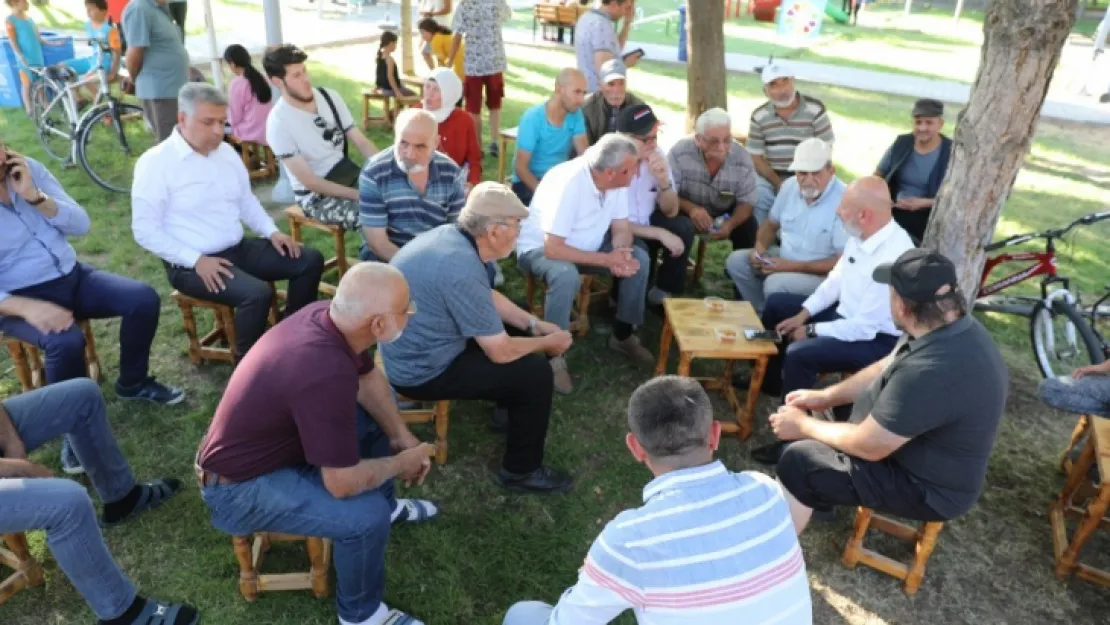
[
  {"x": 1021, "y": 47},
  {"x": 406, "y": 37},
  {"x": 706, "y": 84}
]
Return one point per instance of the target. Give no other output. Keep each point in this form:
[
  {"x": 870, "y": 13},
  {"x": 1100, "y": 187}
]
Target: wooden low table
[
  {"x": 693, "y": 325},
  {"x": 1085, "y": 501}
]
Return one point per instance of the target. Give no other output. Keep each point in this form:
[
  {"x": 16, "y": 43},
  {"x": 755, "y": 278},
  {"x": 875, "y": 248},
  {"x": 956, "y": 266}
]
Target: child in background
[
  {"x": 249, "y": 97},
  {"x": 101, "y": 28},
  {"x": 27, "y": 44},
  {"x": 388, "y": 79}
]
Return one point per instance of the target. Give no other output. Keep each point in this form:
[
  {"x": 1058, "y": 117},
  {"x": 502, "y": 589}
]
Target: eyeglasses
[
  {"x": 716, "y": 141},
  {"x": 329, "y": 133}
]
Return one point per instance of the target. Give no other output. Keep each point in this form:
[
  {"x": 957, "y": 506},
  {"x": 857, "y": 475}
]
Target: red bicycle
[{"x": 1064, "y": 333}]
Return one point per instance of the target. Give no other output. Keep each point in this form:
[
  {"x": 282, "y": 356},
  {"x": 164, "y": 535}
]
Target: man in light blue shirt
[
  {"x": 804, "y": 219},
  {"x": 550, "y": 133},
  {"x": 44, "y": 288},
  {"x": 156, "y": 61}
]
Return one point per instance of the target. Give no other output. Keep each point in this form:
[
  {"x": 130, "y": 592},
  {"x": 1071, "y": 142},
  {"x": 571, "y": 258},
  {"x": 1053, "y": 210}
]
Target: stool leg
[
  {"x": 855, "y": 544},
  {"x": 1080, "y": 430},
  {"x": 248, "y": 577},
  {"x": 340, "y": 253},
  {"x": 31, "y": 569},
  {"x": 1096, "y": 509},
  {"x": 319, "y": 571},
  {"x": 365, "y": 112},
  {"x": 227, "y": 320},
  {"x": 92, "y": 361},
  {"x": 925, "y": 545},
  {"x": 441, "y": 411},
  {"x": 582, "y": 305},
  {"x": 699, "y": 264},
  {"x": 38, "y": 371},
  {"x": 190, "y": 323},
  {"x": 22, "y": 367}
]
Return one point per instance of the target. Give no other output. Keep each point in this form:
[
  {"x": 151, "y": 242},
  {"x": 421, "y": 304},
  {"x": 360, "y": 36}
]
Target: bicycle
[
  {"x": 1058, "y": 350},
  {"x": 108, "y": 134}
]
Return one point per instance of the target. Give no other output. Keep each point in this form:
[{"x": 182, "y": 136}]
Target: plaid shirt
[
  {"x": 387, "y": 199},
  {"x": 693, "y": 182}
]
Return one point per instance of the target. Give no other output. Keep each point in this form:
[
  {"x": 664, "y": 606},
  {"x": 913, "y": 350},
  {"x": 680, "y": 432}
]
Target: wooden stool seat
[
  {"x": 17, "y": 557},
  {"x": 390, "y": 105},
  {"x": 580, "y": 317},
  {"x": 257, "y": 158},
  {"x": 219, "y": 343},
  {"x": 1085, "y": 498},
  {"x": 250, "y": 550},
  {"x": 27, "y": 358},
  {"x": 924, "y": 539},
  {"x": 298, "y": 221},
  {"x": 438, "y": 415}
]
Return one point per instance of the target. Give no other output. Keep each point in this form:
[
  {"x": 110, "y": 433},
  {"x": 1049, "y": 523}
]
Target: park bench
[{"x": 555, "y": 15}]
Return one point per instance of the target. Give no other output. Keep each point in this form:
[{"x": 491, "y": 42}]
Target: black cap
[
  {"x": 636, "y": 120},
  {"x": 928, "y": 107},
  {"x": 918, "y": 274}
]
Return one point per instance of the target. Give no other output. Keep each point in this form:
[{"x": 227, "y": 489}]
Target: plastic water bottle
[{"x": 718, "y": 223}]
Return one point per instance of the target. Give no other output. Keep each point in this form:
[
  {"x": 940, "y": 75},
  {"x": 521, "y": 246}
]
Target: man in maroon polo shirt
[{"x": 302, "y": 438}]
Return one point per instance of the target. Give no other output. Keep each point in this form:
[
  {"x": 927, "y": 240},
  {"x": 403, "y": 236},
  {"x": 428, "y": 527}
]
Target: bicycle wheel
[
  {"x": 111, "y": 139},
  {"x": 52, "y": 121},
  {"x": 1062, "y": 339}
]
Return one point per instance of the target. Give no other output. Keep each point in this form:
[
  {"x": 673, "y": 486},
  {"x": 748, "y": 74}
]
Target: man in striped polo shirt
[
  {"x": 708, "y": 546},
  {"x": 777, "y": 127}
]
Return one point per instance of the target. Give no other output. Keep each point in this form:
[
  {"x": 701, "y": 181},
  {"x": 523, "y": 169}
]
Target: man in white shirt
[
  {"x": 578, "y": 221},
  {"x": 653, "y": 188},
  {"x": 189, "y": 196},
  {"x": 308, "y": 130},
  {"x": 821, "y": 336}
]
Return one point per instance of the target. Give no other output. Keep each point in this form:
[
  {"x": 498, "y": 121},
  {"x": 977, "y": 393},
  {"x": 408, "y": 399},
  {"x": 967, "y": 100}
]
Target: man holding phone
[{"x": 596, "y": 41}]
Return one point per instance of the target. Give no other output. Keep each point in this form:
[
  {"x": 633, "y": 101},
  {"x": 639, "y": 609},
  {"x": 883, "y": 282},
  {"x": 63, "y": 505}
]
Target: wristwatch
[
  {"x": 42, "y": 198},
  {"x": 811, "y": 330},
  {"x": 532, "y": 326}
]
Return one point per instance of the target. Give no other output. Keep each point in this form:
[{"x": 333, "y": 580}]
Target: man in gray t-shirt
[
  {"x": 156, "y": 61},
  {"x": 924, "y": 420},
  {"x": 596, "y": 41},
  {"x": 468, "y": 341}
]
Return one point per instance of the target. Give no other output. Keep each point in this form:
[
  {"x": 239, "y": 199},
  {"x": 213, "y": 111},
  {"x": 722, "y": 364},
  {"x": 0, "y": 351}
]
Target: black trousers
[
  {"x": 671, "y": 275},
  {"x": 177, "y": 12},
  {"x": 819, "y": 476},
  {"x": 523, "y": 388},
  {"x": 255, "y": 263}
]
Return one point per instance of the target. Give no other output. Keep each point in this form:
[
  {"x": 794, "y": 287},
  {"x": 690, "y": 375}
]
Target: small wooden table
[{"x": 693, "y": 324}]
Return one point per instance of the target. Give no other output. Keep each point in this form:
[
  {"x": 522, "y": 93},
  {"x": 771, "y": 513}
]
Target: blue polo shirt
[
  {"x": 549, "y": 145},
  {"x": 388, "y": 200},
  {"x": 165, "y": 62},
  {"x": 809, "y": 232}
]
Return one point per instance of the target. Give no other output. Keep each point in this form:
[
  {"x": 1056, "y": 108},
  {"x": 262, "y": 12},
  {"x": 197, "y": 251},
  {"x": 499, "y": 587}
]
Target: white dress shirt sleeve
[
  {"x": 250, "y": 209},
  {"x": 588, "y": 603},
  {"x": 872, "y": 315},
  {"x": 828, "y": 292},
  {"x": 149, "y": 201}
]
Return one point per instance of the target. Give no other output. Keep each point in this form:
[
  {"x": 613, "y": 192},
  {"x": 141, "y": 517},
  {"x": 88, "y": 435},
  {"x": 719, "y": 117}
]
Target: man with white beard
[
  {"x": 409, "y": 189},
  {"x": 467, "y": 341},
  {"x": 804, "y": 219},
  {"x": 777, "y": 127}
]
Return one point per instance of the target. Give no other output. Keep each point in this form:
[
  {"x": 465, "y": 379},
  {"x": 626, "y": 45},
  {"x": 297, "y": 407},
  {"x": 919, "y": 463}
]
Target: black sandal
[
  {"x": 155, "y": 613},
  {"x": 154, "y": 494}
]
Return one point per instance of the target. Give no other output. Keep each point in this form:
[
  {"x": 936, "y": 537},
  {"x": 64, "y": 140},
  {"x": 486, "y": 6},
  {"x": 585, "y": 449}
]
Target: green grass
[
  {"x": 490, "y": 548},
  {"x": 70, "y": 15},
  {"x": 928, "y": 45}
]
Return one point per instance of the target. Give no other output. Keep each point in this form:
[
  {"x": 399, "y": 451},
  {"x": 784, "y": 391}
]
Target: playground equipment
[{"x": 838, "y": 16}]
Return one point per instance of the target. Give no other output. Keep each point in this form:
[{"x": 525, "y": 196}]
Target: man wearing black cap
[
  {"x": 915, "y": 165},
  {"x": 653, "y": 204},
  {"x": 924, "y": 418}
]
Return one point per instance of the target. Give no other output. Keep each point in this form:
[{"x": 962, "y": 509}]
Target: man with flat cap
[
  {"x": 471, "y": 342},
  {"x": 915, "y": 165},
  {"x": 924, "y": 419}
]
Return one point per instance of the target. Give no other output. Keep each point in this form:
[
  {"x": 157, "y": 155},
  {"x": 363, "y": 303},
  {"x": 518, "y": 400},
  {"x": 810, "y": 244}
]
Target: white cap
[
  {"x": 774, "y": 71},
  {"x": 811, "y": 155}
]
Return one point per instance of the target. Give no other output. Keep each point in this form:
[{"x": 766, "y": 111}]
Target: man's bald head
[
  {"x": 567, "y": 76},
  {"x": 366, "y": 290},
  {"x": 865, "y": 207},
  {"x": 570, "y": 89}
]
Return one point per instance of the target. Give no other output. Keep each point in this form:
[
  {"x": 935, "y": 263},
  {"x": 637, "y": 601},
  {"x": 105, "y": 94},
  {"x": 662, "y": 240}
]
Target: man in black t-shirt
[{"x": 924, "y": 419}]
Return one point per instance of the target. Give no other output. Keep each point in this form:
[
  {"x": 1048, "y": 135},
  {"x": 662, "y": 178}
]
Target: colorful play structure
[{"x": 765, "y": 10}]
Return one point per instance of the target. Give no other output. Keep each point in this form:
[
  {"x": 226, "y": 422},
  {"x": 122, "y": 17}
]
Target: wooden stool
[
  {"x": 1090, "y": 510},
  {"x": 209, "y": 346},
  {"x": 28, "y": 573},
  {"x": 27, "y": 359},
  {"x": 438, "y": 415},
  {"x": 298, "y": 220},
  {"x": 257, "y": 158},
  {"x": 579, "y": 318},
  {"x": 507, "y": 136},
  {"x": 924, "y": 539},
  {"x": 1078, "y": 435},
  {"x": 415, "y": 83},
  {"x": 391, "y": 105},
  {"x": 249, "y": 554},
  {"x": 697, "y": 260}
]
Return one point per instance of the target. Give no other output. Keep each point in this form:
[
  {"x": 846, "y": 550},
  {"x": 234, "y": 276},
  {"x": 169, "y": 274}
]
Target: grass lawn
[
  {"x": 929, "y": 44},
  {"x": 490, "y": 548},
  {"x": 70, "y": 15}
]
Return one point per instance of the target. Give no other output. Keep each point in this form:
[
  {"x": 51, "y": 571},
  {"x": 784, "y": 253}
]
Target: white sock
[{"x": 377, "y": 618}]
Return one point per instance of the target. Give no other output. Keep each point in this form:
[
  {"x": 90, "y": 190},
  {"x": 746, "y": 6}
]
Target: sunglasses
[{"x": 329, "y": 133}]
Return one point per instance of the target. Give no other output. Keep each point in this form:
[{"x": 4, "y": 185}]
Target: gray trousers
[
  {"x": 1087, "y": 395},
  {"x": 162, "y": 115},
  {"x": 755, "y": 288},
  {"x": 562, "y": 280}
]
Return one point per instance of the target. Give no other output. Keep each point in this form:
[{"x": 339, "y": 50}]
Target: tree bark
[
  {"x": 1021, "y": 47},
  {"x": 706, "y": 84},
  {"x": 406, "y": 37}
]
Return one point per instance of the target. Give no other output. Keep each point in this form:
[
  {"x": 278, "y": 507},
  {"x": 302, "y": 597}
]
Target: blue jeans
[
  {"x": 62, "y": 507},
  {"x": 1087, "y": 395},
  {"x": 528, "y": 613},
  {"x": 295, "y": 501}
]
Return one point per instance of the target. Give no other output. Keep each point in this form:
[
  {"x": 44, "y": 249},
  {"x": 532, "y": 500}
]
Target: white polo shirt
[
  {"x": 643, "y": 192},
  {"x": 568, "y": 204}
]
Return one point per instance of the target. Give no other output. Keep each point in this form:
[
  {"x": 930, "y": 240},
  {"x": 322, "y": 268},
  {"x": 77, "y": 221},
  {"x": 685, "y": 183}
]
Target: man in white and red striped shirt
[{"x": 707, "y": 547}]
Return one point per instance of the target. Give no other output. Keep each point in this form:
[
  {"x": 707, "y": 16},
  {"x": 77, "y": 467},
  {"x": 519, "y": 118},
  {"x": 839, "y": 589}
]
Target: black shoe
[
  {"x": 823, "y": 515},
  {"x": 769, "y": 454},
  {"x": 153, "y": 391},
  {"x": 743, "y": 381},
  {"x": 499, "y": 421},
  {"x": 541, "y": 481}
]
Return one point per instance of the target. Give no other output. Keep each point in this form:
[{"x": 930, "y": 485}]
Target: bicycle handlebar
[{"x": 1086, "y": 220}]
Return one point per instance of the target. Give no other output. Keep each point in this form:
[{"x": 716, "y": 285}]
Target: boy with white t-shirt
[{"x": 308, "y": 129}]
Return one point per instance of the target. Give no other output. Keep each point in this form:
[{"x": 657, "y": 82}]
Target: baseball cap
[
  {"x": 774, "y": 71},
  {"x": 636, "y": 120},
  {"x": 918, "y": 274},
  {"x": 811, "y": 155},
  {"x": 493, "y": 199},
  {"x": 928, "y": 107},
  {"x": 612, "y": 70}
]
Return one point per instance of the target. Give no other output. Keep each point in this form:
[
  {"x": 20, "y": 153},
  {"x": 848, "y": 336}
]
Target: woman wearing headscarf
[{"x": 457, "y": 137}]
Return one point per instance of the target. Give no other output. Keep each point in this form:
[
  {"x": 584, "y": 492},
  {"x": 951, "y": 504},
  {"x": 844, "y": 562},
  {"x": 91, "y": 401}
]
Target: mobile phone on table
[
  {"x": 634, "y": 55},
  {"x": 762, "y": 335}
]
